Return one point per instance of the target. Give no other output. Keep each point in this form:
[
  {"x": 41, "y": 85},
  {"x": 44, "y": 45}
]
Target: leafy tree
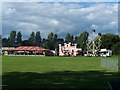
[
  {"x": 48, "y": 44},
  {"x": 44, "y": 43},
  {"x": 19, "y": 38},
  {"x": 72, "y": 39},
  {"x": 76, "y": 37},
  {"x": 5, "y": 42},
  {"x": 82, "y": 39},
  {"x": 12, "y": 38},
  {"x": 108, "y": 40},
  {"x": 59, "y": 41},
  {"x": 43, "y": 39},
  {"x": 68, "y": 38},
  {"x": 116, "y": 49},
  {"x": 50, "y": 41},
  {"x": 32, "y": 39},
  {"x": 50, "y": 36},
  {"x": 25, "y": 43},
  {"x": 55, "y": 37},
  {"x": 38, "y": 39}
]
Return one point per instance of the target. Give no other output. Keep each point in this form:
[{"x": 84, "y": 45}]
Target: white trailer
[{"x": 105, "y": 53}]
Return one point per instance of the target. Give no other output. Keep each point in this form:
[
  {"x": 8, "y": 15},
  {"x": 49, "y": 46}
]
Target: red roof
[{"x": 28, "y": 48}]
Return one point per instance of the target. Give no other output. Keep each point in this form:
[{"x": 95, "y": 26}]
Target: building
[
  {"x": 101, "y": 53},
  {"x": 26, "y": 50},
  {"x": 105, "y": 53},
  {"x": 69, "y": 50}
]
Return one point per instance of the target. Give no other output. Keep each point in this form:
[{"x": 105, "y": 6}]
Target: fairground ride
[{"x": 93, "y": 43}]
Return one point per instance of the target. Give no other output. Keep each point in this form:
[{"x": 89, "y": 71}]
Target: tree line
[{"x": 109, "y": 41}]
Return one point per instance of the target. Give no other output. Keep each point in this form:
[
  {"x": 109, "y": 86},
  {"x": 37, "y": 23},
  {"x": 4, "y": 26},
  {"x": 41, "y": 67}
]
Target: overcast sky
[
  {"x": 60, "y": 0},
  {"x": 60, "y": 18}
]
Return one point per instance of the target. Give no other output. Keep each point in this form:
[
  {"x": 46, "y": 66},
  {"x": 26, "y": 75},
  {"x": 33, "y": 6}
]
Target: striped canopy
[{"x": 27, "y": 48}]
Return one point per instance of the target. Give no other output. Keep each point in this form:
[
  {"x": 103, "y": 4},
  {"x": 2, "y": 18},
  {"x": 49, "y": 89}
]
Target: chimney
[
  {"x": 69, "y": 44},
  {"x": 75, "y": 45},
  {"x": 65, "y": 44}
]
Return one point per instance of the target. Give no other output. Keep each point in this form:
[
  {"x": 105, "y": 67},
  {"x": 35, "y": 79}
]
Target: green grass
[
  {"x": 55, "y": 72},
  {"x": 48, "y": 64}
]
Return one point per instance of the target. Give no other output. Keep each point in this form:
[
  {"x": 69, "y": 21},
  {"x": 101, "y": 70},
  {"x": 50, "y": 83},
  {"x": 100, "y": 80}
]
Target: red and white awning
[{"x": 26, "y": 48}]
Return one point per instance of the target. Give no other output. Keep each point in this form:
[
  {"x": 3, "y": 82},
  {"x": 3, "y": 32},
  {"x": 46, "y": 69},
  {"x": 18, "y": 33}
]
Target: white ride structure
[{"x": 93, "y": 45}]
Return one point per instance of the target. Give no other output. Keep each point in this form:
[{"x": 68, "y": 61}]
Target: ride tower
[{"x": 93, "y": 43}]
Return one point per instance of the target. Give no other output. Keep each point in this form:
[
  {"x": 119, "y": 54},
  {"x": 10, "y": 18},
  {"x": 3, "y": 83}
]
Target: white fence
[{"x": 113, "y": 65}]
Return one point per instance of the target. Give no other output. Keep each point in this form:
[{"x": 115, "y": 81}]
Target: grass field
[{"x": 55, "y": 72}]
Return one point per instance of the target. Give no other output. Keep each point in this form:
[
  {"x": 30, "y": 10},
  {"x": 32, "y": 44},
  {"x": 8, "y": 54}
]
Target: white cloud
[
  {"x": 91, "y": 16},
  {"x": 59, "y": 18},
  {"x": 10, "y": 11},
  {"x": 54, "y": 22},
  {"x": 27, "y": 26},
  {"x": 94, "y": 27},
  {"x": 60, "y": 1}
]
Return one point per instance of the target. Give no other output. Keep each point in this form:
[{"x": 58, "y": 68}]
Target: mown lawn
[
  {"x": 49, "y": 64},
  {"x": 55, "y": 72}
]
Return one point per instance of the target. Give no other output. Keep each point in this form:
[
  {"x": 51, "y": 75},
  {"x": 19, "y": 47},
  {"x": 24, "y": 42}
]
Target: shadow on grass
[{"x": 61, "y": 79}]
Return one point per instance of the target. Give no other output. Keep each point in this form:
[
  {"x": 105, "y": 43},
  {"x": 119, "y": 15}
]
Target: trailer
[{"x": 105, "y": 53}]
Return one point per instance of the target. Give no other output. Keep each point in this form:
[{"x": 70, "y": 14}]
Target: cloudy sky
[{"x": 60, "y": 18}]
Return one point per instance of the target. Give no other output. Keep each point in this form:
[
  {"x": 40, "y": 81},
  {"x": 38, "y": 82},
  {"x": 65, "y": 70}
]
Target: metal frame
[{"x": 93, "y": 44}]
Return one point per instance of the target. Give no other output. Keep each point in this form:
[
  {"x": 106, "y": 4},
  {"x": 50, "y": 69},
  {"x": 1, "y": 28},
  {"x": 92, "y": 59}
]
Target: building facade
[{"x": 69, "y": 49}]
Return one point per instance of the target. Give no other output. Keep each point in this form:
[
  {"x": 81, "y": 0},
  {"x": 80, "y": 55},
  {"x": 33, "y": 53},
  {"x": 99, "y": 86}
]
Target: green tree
[
  {"x": 55, "y": 40},
  {"x": 55, "y": 37},
  {"x": 49, "y": 43},
  {"x": 32, "y": 39},
  {"x": 25, "y": 43},
  {"x": 108, "y": 40},
  {"x": 68, "y": 38},
  {"x": 38, "y": 38},
  {"x": 72, "y": 39},
  {"x": 50, "y": 36},
  {"x": 5, "y": 42},
  {"x": 12, "y": 38},
  {"x": 116, "y": 49},
  {"x": 19, "y": 38},
  {"x": 82, "y": 39},
  {"x": 76, "y": 37},
  {"x": 44, "y": 43},
  {"x": 59, "y": 41}
]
